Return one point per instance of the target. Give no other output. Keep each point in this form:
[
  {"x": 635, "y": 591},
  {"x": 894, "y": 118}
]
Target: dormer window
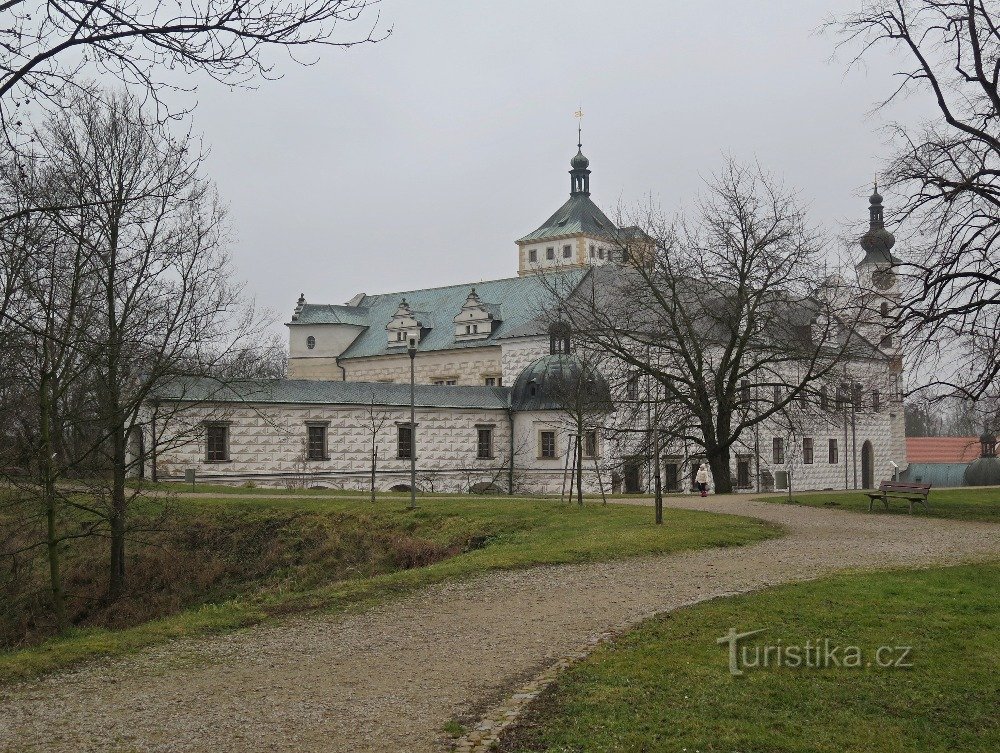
[
  {"x": 477, "y": 319},
  {"x": 567, "y": 251},
  {"x": 550, "y": 253},
  {"x": 407, "y": 324},
  {"x": 533, "y": 255}
]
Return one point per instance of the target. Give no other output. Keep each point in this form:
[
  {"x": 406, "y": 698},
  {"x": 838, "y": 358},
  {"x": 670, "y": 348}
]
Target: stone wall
[
  {"x": 520, "y": 352},
  {"x": 267, "y": 446},
  {"x": 468, "y": 366}
]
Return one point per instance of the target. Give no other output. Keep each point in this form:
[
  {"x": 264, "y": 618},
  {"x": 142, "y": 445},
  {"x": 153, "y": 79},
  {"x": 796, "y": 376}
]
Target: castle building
[{"x": 486, "y": 363}]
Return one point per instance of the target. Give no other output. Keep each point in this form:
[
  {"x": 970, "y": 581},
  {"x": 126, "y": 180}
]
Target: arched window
[
  {"x": 885, "y": 309},
  {"x": 310, "y": 342}
]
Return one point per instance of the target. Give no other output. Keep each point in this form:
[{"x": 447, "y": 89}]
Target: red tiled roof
[{"x": 942, "y": 449}]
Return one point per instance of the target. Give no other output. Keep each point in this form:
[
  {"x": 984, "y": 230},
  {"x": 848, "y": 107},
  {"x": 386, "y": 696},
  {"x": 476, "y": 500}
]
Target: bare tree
[
  {"x": 583, "y": 396},
  {"x": 157, "y": 299},
  {"x": 376, "y": 420},
  {"x": 48, "y": 48},
  {"x": 719, "y": 302},
  {"x": 948, "y": 172}
]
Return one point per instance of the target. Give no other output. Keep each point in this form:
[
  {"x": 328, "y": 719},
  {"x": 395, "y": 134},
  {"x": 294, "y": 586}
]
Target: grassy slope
[
  {"x": 958, "y": 504},
  {"x": 666, "y": 686},
  {"x": 508, "y": 533}
]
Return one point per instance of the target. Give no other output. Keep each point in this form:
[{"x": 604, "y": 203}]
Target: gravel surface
[{"x": 390, "y": 678}]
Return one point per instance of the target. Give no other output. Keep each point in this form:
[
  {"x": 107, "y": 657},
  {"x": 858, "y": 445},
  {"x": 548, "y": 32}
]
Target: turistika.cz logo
[{"x": 821, "y": 653}]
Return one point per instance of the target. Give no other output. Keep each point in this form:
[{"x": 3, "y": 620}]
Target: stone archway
[{"x": 867, "y": 466}]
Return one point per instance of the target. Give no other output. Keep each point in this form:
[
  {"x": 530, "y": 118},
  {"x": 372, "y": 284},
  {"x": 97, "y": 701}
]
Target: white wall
[{"x": 267, "y": 445}]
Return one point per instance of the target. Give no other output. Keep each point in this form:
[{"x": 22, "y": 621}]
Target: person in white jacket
[{"x": 701, "y": 478}]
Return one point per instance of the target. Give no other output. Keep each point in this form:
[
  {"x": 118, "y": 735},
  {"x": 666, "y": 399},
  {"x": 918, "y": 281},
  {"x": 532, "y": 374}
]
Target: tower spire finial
[{"x": 579, "y": 174}]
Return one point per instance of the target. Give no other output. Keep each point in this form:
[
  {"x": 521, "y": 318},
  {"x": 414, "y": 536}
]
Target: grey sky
[{"x": 418, "y": 161}]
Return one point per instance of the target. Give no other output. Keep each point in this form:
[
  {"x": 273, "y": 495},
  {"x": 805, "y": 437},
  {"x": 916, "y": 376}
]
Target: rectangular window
[
  {"x": 404, "y": 441},
  {"x": 600, "y": 253},
  {"x": 550, "y": 253},
  {"x": 444, "y": 382},
  {"x": 778, "y": 451},
  {"x": 316, "y": 436},
  {"x": 217, "y": 443},
  {"x": 533, "y": 254},
  {"x": 590, "y": 443},
  {"x": 777, "y": 395},
  {"x": 484, "y": 444},
  {"x": 876, "y": 401},
  {"x": 824, "y": 399},
  {"x": 745, "y": 392},
  {"x": 593, "y": 251},
  {"x": 743, "y": 473},
  {"x": 546, "y": 444},
  {"x": 632, "y": 388},
  {"x": 834, "y": 452},
  {"x": 567, "y": 251},
  {"x": 807, "y": 450},
  {"x": 857, "y": 395}
]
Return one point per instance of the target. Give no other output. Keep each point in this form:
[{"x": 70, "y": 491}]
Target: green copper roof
[
  {"x": 328, "y": 313},
  {"x": 513, "y": 300},
  {"x": 578, "y": 215},
  {"x": 315, "y": 392}
]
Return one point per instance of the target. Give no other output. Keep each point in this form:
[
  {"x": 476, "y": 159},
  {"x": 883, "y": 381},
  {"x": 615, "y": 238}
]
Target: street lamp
[{"x": 411, "y": 349}]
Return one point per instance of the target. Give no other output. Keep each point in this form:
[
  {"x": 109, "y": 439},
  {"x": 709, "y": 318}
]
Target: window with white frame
[
  {"x": 546, "y": 444},
  {"x": 316, "y": 441},
  {"x": 484, "y": 442},
  {"x": 217, "y": 443}
]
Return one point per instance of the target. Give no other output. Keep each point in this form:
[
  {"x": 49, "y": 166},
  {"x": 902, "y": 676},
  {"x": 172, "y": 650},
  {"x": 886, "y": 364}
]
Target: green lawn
[
  {"x": 478, "y": 534},
  {"x": 666, "y": 686},
  {"x": 958, "y": 504}
]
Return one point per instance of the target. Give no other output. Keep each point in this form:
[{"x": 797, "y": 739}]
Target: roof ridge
[{"x": 552, "y": 272}]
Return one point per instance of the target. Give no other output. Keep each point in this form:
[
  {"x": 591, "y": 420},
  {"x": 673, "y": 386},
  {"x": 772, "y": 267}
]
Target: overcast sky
[{"x": 418, "y": 161}]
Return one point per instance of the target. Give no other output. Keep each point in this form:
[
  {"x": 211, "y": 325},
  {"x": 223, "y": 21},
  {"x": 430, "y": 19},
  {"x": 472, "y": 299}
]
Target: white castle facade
[{"x": 483, "y": 418}]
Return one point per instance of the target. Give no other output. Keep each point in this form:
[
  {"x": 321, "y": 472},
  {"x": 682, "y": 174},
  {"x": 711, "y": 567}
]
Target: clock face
[{"x": 883, "y": 279}]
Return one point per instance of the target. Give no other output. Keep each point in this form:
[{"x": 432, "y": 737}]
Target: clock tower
[{"x": 877, "y": 276}]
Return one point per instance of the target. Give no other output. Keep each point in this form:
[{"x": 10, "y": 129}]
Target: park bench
[{"x": 900, "y": 490}]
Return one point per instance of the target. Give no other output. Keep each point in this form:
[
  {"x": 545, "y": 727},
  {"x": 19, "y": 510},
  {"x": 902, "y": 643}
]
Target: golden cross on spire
[{"x": 579, "y": 127}]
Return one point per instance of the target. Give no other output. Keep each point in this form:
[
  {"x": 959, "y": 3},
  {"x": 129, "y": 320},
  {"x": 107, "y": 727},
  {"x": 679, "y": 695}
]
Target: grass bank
[
  {"x": 957, "y": 504},
  {"x": 666, "y": 686},
  {"x": 334, "y": 554}
]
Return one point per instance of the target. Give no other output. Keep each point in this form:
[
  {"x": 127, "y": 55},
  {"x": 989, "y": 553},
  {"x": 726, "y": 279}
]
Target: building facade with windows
[{"x": 489, "y": 358}]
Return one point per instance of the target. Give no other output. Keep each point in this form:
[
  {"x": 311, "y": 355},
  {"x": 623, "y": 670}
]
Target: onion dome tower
[{"x": 878, "y": 241}]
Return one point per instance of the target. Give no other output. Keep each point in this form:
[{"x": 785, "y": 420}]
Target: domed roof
[
  {"x": 983, "y": 472},
  {"x": 560, "y": 382},
  {"x": 878, "y": 241},
  {"x": 579, "y": 162}
]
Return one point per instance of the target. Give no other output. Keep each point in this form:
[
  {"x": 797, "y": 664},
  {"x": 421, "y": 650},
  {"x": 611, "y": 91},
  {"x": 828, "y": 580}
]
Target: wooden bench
[{"x": 900, "y": 490}]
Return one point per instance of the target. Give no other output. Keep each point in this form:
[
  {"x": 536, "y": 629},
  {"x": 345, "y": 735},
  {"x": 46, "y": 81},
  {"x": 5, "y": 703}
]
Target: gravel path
[{"x": 390, "y": 678}]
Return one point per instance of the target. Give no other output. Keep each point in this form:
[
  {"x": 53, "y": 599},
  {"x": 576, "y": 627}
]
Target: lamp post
[{"x": 411, "y": 349}]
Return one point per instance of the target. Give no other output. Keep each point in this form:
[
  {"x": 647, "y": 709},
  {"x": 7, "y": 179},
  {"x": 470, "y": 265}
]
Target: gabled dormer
[
  {"x": 476, "y": 320},
  {"x": 406, "y": 324}
]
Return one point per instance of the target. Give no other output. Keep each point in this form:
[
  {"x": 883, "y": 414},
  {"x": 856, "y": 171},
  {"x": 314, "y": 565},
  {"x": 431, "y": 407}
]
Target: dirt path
[{"x": 390, "y": 678}]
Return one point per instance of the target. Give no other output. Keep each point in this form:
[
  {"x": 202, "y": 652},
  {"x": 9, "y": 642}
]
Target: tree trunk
[
  {"x": 579, "y": 463},
  {"x": 718, "y": 461},
  {"x": 374, "y": 464},
  {"x": 48, "y": 474},
  {"x": 116, "y": 583}
]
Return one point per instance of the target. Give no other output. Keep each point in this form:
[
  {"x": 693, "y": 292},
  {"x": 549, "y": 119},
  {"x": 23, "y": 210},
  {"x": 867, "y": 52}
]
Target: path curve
[{"x": 390, "y": 678}]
